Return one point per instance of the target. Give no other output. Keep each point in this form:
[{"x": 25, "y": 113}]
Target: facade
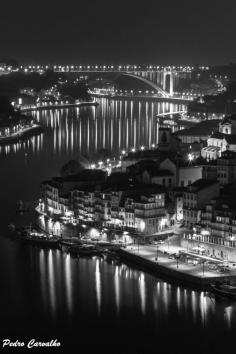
[
  {"x": 139, "y": 209},
  {"x": 226, "y": 167},
  {"x": 221, "y": 140},
  {"x": 216, "y": 231},
  {"x": 56, "y": 193},
  {"x": 188, "y": 175},
  {"x": 197, "y": 195}
]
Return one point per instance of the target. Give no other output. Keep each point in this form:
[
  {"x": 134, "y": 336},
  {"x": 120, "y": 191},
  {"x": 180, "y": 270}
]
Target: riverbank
[
  {"x": 148, "y": 258},
  {"x": 56, "y": 106},
  {"x": 21, "y": 134},
  {"x": 177, "y": 100}
]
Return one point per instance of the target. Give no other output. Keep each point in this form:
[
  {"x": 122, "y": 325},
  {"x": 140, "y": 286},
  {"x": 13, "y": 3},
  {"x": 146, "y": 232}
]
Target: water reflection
[
  {"x": 51, "y": 283},
  {"x": 117, "y": 288},
  {"x": 125, "y": 290},
  {"x": 142, "y": 292},
  {"x": 68, "y": 282},
  {"x": 113, "y": 125},
  {"x": 98, "y": 286},
  {"x": 42, "y": 269}
]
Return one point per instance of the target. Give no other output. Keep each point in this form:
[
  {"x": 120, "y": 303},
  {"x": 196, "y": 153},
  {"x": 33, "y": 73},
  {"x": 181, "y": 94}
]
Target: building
[
  {"x": 176, "y": 195},
  {"x": 226, "y": 167},
  {"x": 199, "y": 132},
  {"x": 228, "y": 125},
  {"x": 216, "y": 231},
  {"x": 221, "y": 140},
  {"x": 115, "y": 203},
  {"x": 56, "y": 191},
  {"x": 197, "y": 195},
  {"x": 188, "y": 175}
]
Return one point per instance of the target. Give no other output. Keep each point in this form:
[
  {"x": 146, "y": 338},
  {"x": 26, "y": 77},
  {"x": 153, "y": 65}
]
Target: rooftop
[
  {"x": 204, "y": 128},
  {"x": 202, "y": 184}
]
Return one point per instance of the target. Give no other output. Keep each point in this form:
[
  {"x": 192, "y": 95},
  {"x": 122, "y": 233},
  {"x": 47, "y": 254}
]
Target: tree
[
  {"x": 6, "y": 106},
  {"x": 71, "y": 168}
]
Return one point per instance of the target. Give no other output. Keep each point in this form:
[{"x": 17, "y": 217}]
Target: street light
[
  {"x": 157, "y": 253},
  {"x": 177, "y": 261}
]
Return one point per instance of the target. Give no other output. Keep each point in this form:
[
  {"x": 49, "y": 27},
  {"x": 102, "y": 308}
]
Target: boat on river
[
  {"x": 39, "y": 238},
  {"x": 85, "y": 250},
  {"x": 224, "y": 290}
]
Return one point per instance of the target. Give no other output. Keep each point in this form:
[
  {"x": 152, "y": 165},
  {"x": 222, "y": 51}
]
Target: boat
[
  {"x": 39, "y": 238},
  {"x": 225, "y": 290},
  {"x": 85, "y": 250}
]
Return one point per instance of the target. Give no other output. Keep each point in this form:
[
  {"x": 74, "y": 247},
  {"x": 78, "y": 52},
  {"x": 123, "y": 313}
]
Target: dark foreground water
[{"x": 91, "y": 305}]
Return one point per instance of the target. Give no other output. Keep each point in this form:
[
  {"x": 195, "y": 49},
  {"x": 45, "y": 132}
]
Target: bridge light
[
  {"x": 142, "y": 148},
  {"x": 153, "y": 145},
  {"x": 123, "y": 152},
  {"x": 133, "y": 149}
]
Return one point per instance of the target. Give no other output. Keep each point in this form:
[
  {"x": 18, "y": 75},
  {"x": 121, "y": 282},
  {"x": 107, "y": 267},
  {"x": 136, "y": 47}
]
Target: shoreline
[
  {"x": 148, "y": 98},
  {"x": 158, "y": 269},
  {"x": 57, "y": 106},
  {"x": 24, "y": 133}
]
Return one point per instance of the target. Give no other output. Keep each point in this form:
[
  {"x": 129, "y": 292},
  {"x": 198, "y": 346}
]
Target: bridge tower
[{"x": 171, "y": 75}]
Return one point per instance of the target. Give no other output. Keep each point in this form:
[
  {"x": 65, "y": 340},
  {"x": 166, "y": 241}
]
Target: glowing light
[
  {"x": 142, "y": 148},
  {"x": 142, "y": 225},
  {"x": 123, "y": 152},
  {"x": 190, "y": 157},
  {"x": 94, "y": 233}
]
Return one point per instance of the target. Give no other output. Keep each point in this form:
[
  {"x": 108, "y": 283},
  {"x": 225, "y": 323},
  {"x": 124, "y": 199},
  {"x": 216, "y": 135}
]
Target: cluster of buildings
[
  {"x": 154, "y": 190},
  {"x": 116, "y": 202}
]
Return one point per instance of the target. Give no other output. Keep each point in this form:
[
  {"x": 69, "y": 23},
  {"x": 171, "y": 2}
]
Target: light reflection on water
[
  {"x": 71, "y": 286},
  {"x": 113, "y": 125},
  {"x": 150, "y": 295}
]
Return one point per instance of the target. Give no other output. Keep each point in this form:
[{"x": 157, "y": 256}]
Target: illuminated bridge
[{"x": 162, "y": 79}]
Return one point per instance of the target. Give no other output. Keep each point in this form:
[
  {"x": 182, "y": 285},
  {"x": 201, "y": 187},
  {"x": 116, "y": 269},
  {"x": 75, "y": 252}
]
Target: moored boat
[
  {"x": 225, "y": 290},
  {"x": 39, "y": 238}
]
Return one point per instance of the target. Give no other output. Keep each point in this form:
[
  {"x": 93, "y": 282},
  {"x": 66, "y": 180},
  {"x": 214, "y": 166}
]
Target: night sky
[{"x": 158, "y": 32}]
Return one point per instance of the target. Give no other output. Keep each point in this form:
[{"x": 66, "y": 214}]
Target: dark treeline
[
  {"x": 11, "y": 84},
  {"x": 75, "y": 90},
  {"x": 221, "y": 103}
]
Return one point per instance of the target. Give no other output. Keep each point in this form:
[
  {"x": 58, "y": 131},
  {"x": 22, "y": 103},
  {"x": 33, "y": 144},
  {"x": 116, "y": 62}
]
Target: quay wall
[
  {"x": 161, "y": 270},
  {"x": 35, "y": 130}
]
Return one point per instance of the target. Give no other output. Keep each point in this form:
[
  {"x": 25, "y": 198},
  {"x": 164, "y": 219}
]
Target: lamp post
[
  {"x": 177, "y": 261},
  {"x": 157, "y": 254},
  {"x": 203, "y": 262}
]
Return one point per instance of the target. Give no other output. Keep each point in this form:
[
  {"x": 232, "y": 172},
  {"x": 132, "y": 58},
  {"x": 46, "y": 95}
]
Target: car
[{"x": 158, "y": 242}]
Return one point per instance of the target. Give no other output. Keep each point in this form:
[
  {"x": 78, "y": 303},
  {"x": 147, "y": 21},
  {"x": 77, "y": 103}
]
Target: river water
[{"x": 105, "y": 305}]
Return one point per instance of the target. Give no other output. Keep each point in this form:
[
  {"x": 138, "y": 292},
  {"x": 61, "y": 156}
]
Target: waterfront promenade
[
  {"x": 21, "y": 133},
  {"x": 30, "y": 108},
  {"x": 154, "y": 258}
]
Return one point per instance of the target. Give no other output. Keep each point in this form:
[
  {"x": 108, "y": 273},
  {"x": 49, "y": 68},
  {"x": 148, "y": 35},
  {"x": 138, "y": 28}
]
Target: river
[{"x": 47, "y": 294}]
